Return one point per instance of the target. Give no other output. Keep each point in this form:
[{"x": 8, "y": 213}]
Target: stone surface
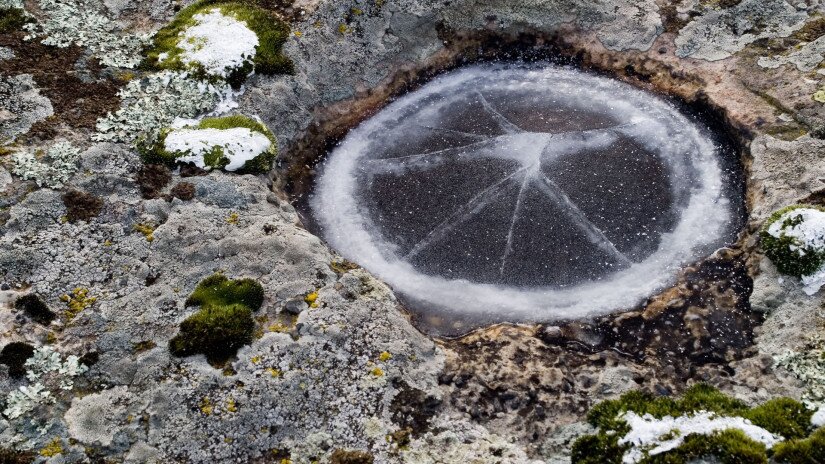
[{"x": 320, "y": 381}]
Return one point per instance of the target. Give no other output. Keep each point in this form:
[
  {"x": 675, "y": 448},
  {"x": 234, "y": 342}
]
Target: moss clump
[
  {"x": 12, "y": 19},
  {"x": 81, "y": 206},
  {"x": 15, "y": 355},
  {"x": 805, "y": 451},
  {"x": 8, "y": 456},
  {"x": 789, "y": 255},
  {"x": 34, "y": 307},
  {"x": 183, "y": 190},
  {"x": 216, "y": 331},
  {"x": 215, "y": 158},
  {"x": 341, "y": 456},
  {"x": 783, "y": 416},
  {"x": 224, "y": 323},
  {"x": 272, "y": 34},
  {"x": 152, "y": 179},
  {"x": 218, "y": 290}
]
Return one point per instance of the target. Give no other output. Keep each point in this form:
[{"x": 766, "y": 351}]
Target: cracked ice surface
[{"x": 528, "y": 192}]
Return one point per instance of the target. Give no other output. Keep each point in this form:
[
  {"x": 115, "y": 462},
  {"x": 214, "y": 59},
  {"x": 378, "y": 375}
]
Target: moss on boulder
[
  {"x": 783, "y": 417},
  {"x": 166, "y": 51},
  {"x": 788, "y": 254},
  {"x": 213, "y": 155},
  {"x": 224, "y": 323}
]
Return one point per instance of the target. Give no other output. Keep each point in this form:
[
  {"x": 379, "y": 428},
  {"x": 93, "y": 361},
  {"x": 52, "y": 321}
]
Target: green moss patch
[
  {"x": 224, "y": 323},
  {"x": 218, "y": 290},
  {"x": 810, "y": 450},
  {"x": 216, "y": 158},
  {"x": 165, "y": 52},
  {"x": 784, "y": 251},
  {"x": 12, "y": 19},
  {"x": 785, "y": 417}
]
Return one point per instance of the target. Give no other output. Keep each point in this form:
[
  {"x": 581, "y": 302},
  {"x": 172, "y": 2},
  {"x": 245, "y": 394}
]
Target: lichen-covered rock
[
  {"x": 95, "y": 418},
  {"x": 21, "y": 105},
  {"x": 232, "y": 143},
  {"x": 794, "y": 239},
  {"x": 79, "y": 22},
  {"x": 620, "y": 25},
  {"x": 719, "y": 33}
]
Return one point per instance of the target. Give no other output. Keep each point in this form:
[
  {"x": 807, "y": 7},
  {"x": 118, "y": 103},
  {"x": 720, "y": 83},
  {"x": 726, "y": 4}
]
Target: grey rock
[
  {"x": 719, "y": 33},
  {"x": 21, "y": 105}
]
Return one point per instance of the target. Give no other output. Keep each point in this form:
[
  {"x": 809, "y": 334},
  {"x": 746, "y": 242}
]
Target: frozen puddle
[{"x": 526, "y": 193}]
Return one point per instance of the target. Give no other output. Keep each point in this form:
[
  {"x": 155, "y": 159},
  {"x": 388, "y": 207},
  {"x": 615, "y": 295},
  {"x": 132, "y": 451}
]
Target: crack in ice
[
  {"x": 519, "y": 200},
  {"x": 503, "y": 123},
  {"x": 594, "y": 234},
  {"x": 466, "y": 211}
]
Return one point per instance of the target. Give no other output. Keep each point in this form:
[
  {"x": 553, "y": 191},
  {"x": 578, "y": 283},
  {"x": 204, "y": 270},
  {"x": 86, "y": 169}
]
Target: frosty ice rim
[{"x": 701, "y": 228}]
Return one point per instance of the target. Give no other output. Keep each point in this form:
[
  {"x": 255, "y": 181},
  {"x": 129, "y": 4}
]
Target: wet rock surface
[{"x": 319, "y": 381}]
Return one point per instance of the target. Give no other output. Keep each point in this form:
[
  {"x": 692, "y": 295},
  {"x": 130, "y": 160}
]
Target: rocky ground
[{"x": 345, "y": 376}]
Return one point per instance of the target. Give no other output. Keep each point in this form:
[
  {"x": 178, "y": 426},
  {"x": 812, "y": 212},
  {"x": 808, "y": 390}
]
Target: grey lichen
[
  {"x": 52, "y": 170},
  {"x": 78, "y": 22},
  {"x": 809, "y": 366},
  {"x": 21, "y": 105},
  {"x": 719, "y": 33},
  {"x": 153, "y": 102},
  {"x": 48, "y": 373}
]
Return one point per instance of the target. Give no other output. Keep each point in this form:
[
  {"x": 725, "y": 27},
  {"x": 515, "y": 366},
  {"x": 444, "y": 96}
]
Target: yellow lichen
[
  {"x": 344, "y": 29},
  {"x": 357, "y": 11},
  {"x": 384, "y": 356},
  {"x": 298, "y": 34},
  {"x": 233, "y": 219},
  {"x": 77, "y": 301},
  {"x": 53, "y": 448},
  {"x": 312, "y": 299},
  {"x": 206, "y": 406},
  {"x": 231, "y": 406},
  {"x": 377, "y": 371},
  {"x": 820, "y": 95},
  {"x": 256, "y": 360},
  {"x": 147, "y": 229},
  {"x": 278, "y": 327},
  {"x": 107, "y": 243},
  {"x": 273, "y": 372}
]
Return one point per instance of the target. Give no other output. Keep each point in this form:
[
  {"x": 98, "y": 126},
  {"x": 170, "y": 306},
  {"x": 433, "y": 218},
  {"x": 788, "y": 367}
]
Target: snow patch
[
  {"x": 808, "y": 231},
  {"x": 818, "y": 419},
  {"x": 218, "y": 42},
  {"x": 649, "y": 436},
  {"x": 239, "y": 145}
]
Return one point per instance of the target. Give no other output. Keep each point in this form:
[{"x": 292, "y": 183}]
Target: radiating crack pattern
[{"x": 538, "y": 192}]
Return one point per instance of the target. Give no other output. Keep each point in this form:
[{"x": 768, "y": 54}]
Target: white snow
[
  {"x": 809, "y": 233},
  {"x": 818, "y": 419},
  {"x": 652, "y": 436},
  {"x": 218, "y": 42},
  {"x": 239, "y": 145}
]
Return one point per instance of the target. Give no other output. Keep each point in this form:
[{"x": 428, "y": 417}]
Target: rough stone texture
[
  {"x": 784, "y": 172},
  {"x": 619, "y": 25},
  {"x": 21, "y": 105},
  {"x": 317, "y": 381},
  {"x": 805, "y": 59},
  {"x": 718, "y": 34}
]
